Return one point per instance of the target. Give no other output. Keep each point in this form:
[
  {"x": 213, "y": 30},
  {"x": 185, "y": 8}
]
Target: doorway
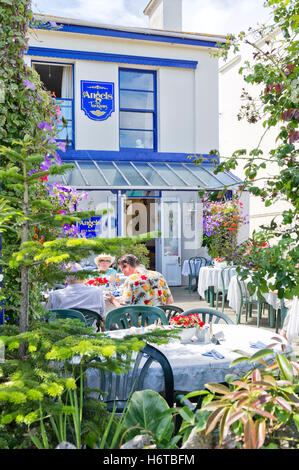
[{"x": 140, "y": 218}]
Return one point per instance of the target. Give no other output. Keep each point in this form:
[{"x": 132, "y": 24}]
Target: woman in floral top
[{"x": 142, "y": 286}]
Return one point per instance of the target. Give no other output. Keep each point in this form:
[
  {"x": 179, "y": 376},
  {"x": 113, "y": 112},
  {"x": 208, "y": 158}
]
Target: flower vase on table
[
  {"x": 219, "y": 263},
  {"x": 189, "y": 323}
]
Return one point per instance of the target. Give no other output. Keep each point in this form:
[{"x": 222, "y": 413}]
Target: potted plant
[
  {"x": 221, "y": 222},
  {"x": 189, "y": 323}
]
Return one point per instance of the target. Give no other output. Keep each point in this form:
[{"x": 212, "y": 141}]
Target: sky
[{"x": 200, "y": 16}]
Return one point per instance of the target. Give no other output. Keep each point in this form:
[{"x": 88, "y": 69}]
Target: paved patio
[{"x": 184, "y": 299}]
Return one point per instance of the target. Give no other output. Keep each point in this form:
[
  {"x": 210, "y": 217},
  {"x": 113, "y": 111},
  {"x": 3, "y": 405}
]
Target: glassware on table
[{"x": 203, "y": 334}]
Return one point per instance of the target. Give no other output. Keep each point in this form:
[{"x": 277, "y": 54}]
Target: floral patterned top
[{"x": 145, "y": 287}]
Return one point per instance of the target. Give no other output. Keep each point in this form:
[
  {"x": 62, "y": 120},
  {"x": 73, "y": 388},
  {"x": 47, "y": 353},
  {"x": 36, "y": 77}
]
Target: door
[
  {"x": 114, "y": 219},
  {"x": 171, "y": 240}
]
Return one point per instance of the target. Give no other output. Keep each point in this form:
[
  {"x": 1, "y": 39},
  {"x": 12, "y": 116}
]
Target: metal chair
[
  {"x": 247, "y": 301},
  {"x": 195, "y": 263},
  {"x": 209, "y": 314},
  {"x": 116, "y": 389},
  {"x": 224, "y": 290},
  {"x": 91, "y": 316},
  {"x": 134, "y": 315},
  {"x": 54, "y": 314},
  {"x": 171, "y": 310}
]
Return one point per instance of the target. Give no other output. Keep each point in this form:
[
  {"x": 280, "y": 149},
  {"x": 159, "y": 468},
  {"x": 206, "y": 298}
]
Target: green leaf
[
  {"x": 285, "y": 367},
  {"x": 145, "y": 409},
  {"x": 260, "y": 354},
  {"x": 187, "y": 414}
]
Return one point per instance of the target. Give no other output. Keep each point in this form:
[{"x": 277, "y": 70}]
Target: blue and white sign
[
  {"x": 92, "y": 227},
  {"x": 97, "y": 99}
]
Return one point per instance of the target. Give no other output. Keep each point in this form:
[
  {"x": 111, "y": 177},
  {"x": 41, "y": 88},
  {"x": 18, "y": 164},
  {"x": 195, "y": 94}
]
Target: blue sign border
[{"x": 112, "y": 110}]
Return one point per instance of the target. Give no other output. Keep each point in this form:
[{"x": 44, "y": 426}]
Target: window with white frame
[{"x": 137, "y": 109}]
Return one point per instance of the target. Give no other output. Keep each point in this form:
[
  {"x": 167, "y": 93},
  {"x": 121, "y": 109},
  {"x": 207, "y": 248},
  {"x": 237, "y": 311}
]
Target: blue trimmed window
[{"x": 137, "y": 109}]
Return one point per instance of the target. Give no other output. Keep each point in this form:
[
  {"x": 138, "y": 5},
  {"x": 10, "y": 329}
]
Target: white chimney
[{"x": 164, "y": 14}]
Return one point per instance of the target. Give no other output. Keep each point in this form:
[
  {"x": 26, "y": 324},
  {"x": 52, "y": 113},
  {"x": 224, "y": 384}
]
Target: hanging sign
[
  {"x": 97, "y": 99},
  {"x": 92, "y": 227}
]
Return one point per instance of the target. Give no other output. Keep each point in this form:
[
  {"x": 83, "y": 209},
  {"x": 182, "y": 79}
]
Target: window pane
[
  {"x": 136, "y": 100},
  {"x": 112, "y": 175},
  {"x": 92, "y": 174},
  {"x": 131, "y": 174},
  {"x": 185, "y": 174},
  {"x": 73, "y": 177},
  {"x": 150, "y": 174},
  {"x": 166, "y": 173},
  {"x": 130, "y": 120},
  {"x": 136, "y": 139},
  {"x": 136, "y": 80}
]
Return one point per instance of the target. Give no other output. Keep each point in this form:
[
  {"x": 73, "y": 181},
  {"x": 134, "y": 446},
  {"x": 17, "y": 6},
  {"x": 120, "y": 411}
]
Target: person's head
[
  {"x": 128, "y": 263},
  {"x": 73, "y": 268},
  {"x": 104, "y": 261}
]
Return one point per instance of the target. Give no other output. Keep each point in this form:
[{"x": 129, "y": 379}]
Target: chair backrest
[
  {"x": 90, "y": 316},
  {"x": 209, "y": 315},
  {"x": 195, "y": 263},
  {"x": 54, "y": 314},
  {"x": 171, "y": 310},
  {"x": 116, "y": 389},
  {"x": 243, "y": 291},
  {"x": 134, "y": 315}
]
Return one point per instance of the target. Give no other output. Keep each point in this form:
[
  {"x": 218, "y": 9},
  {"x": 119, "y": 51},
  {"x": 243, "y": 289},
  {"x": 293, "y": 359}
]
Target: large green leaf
[
  {"x": 285, "y": 367},
  {"x": 147, "y": 411}
]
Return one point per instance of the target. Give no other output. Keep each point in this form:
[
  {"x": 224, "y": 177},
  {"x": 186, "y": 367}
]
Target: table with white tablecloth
[
  {"x": 210, "y": 276},
  {"x": 192, "y": 370}
]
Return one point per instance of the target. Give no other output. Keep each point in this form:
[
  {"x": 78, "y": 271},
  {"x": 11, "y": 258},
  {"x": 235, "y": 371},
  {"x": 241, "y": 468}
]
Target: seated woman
[{"x": 104, "y": 263}]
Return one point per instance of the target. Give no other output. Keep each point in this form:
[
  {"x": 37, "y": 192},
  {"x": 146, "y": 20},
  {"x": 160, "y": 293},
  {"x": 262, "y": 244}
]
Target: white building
[
  {"x": 239, "y": 134},
  {"x": 138, "y": 102}
]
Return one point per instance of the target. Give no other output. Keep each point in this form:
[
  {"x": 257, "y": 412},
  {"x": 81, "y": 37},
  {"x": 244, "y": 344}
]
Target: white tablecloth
[
  {"x": 211, "y": 276},
  {"x": 192, "y": 370},
  {"x": 234, "y": 299}
]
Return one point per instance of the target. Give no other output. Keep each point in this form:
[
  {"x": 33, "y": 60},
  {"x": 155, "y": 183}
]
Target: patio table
[
  {"x": 192, "y": 370},
  {"x": 210, "y": 277}
]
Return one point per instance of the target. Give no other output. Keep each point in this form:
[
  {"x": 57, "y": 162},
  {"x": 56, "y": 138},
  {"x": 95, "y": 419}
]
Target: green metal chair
[
  {"x": 224, "y": 290},
  {"x": 116, "y": 389},
  {"x": 195, "y": 263},
  {"x": 134, "y": 315},
  {"x": 209, "y": 315},
  {"x": 54, "y": 314},
  {"x": 171, "y": 310},
  {"x": 91, "y": 316}
]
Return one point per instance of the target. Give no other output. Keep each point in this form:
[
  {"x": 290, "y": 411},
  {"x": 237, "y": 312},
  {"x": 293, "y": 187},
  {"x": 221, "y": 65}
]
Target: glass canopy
[{"x": 107, "y": 175}]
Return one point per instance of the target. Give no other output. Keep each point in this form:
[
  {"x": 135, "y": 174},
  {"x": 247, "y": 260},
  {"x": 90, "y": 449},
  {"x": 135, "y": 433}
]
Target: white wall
[{"x": 187, "y": 98}]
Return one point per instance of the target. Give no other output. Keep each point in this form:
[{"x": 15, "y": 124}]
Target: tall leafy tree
[{"x": 274, "y": 68}]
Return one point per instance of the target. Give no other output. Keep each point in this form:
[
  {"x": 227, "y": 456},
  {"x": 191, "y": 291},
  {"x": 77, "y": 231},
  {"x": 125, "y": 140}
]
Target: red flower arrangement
[
  {"x": 97, "y": 281},
  {"x": 186, "y": 321}
]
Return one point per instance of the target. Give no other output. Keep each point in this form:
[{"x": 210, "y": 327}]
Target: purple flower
[
  {"x": 44, "y": 125},
  {"x": 45, "y": 165},
  {"x": 53, "y": 24},
  {"x": 61, "y": 145},
  {"x": 58, "y": 159},
  {"x": 29, "y": 84}
]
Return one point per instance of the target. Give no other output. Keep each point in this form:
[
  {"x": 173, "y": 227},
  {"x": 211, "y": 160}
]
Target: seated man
[
  {"x": 77, "y": 294},
  {"x": 141, "y": 286}
]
